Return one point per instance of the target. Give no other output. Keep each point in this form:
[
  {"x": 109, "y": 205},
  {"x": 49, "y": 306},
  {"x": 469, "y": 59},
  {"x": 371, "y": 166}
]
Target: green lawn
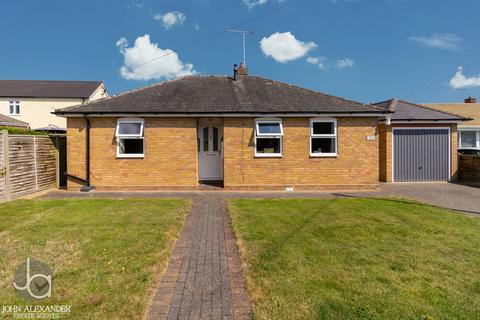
[
  {"x": 358, "y": 259},
  {"x": 105, "y": 254}
]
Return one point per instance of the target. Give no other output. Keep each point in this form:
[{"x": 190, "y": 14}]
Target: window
[
  {"x": 130, "y": 138},
  {"x": 205, "y": 139},
  {"x": 14, "y": 107},
  {"x": 215, "y": 139},
  {"x": 469, "y": 138},
  {"x": 268, "y": 138},
  {"x": 323, "y": 137}
]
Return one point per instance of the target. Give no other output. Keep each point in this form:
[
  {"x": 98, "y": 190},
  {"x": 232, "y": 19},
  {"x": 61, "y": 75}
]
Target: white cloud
[
  {"x": 445, "y": 41},
  {"x": 345, "y": 63},
  {"x": 197, "y": 26},
  {"x": 320, "y": 62},
  {"x": 254, "y": 3},
  {"x": 171, "y": 19},
  {"x": 146, "y": 61},
  {"x": 460, "y": 81},
  {"x": 136, "y": 4},
  {"x": 284, "y": 47}
]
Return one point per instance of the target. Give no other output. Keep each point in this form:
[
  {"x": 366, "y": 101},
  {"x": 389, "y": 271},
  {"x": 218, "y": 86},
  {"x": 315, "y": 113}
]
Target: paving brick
[{"x": 203, "y": 269}]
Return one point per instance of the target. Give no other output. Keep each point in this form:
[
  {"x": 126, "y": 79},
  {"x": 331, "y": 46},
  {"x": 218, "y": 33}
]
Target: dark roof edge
[
  {"x": 156, "y": 113},
  {"x": 432, "y": 120}
]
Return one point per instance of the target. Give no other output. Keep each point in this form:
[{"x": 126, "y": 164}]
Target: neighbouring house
[
  {"x": 417, "y": 143},
  {"x": 32, "y": 101},
  {"x": 12, "y": 123},
  {"x": 248, "y": 132},
  {"x": 469, "y": 132}
]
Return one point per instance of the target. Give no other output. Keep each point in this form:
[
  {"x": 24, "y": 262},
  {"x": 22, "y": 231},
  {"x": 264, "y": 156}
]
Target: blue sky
[{"x": 367, "y": 50}]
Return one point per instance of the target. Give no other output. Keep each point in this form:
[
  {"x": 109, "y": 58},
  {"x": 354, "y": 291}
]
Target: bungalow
[{"x": 245, "y": 132}]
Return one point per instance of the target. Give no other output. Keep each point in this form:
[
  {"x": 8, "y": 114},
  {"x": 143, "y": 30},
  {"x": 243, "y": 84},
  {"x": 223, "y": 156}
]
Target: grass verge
[
  {"x": 105, "y": 254},
  {"x": 358, "y": 259}
]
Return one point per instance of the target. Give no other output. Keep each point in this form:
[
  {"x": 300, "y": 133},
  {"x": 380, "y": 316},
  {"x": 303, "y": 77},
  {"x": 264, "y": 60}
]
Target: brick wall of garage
[
  {"x": 355, "y": 167},
  {"x": 385, "y": 140},
  {"x": 170, "y": 155}
]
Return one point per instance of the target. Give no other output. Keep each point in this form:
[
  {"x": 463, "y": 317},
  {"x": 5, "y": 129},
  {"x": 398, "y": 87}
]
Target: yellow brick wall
[
  {"x": 170, "y": 155},
  {"x": 75, "y": 152},
  {"x": 386, "y": 163},
  {"x": 355, "y": 167}
]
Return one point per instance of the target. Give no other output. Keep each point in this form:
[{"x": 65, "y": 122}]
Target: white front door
[{"x": 210, "y": 162}]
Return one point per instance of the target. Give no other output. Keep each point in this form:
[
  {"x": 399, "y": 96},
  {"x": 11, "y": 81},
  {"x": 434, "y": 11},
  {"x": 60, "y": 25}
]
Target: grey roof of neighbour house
[
  {"x": 407, "y": 111},
  {"x": 221, "y": 95},
  {"x": 48, "y": 89},
  {"x": 6, "y": 121}
]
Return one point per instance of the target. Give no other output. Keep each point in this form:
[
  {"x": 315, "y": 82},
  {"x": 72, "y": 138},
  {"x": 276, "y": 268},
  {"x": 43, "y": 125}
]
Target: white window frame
[
  {"x": 15, "y": 104},
  {"x": 475, "y": 129},
  {"x": 268, "y": 135},
  {"x": 334, "y": 136},
  {"x": 141, "y": 136}
]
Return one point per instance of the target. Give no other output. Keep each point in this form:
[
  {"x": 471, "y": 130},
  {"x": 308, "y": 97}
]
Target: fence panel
[
  {"x": 469, "y": 168},
  {"x": 3, "y": 169},
  {"x": 46, "y": 160},
  {"x": 22, "y": 165},
  {"x": 30, "y": 163}
]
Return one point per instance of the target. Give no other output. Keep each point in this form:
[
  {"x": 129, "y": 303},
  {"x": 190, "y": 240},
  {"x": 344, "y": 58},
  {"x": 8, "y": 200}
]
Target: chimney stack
[
  {"x": 471, "y": 100},
  {"x": 242, "y": 70}
]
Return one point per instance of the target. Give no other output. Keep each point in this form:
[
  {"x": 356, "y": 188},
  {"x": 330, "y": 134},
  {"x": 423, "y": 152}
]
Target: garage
[
  {"x": 417, "y": 143},
  {"x": 421, "y": 154}
]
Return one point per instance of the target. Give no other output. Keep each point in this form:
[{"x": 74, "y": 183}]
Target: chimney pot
[{"x": 471, "y": 100}]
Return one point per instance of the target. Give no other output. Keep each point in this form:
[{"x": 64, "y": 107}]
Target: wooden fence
[
  {"x": 30, "y": 163},
  {"x": 469, "y": 168}
]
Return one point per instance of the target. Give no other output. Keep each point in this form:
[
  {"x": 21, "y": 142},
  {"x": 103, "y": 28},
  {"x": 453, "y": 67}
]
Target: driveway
[{"x": 446, "y": 195}]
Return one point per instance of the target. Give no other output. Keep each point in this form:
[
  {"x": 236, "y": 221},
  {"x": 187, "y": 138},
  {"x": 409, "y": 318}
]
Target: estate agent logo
[{"x": 33, "y": 280}]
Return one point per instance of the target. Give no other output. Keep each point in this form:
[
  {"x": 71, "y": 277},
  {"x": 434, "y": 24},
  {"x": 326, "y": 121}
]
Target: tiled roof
[
  {"x": 407, "y": 111},
  {"x": 47, "y": 89},
  {"x": 6, "y": 121},
  {"x": 221, "y": 94}
]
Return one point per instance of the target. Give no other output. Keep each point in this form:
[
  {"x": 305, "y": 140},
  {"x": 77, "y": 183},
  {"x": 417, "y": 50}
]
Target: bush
[{"x": 12, "y": 130}]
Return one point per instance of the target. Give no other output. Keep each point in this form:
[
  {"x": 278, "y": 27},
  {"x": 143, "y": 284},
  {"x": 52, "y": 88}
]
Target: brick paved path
[{"x": 204, "y": 278}]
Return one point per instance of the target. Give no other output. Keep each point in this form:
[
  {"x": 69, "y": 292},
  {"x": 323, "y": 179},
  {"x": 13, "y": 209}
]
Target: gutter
[
  {"x": 224, "y": 114},
  {"x": 403, "y": 121}
]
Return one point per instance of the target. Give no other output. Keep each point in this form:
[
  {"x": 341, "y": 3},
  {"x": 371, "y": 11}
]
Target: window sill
[
  {"x": 269, "y": 156},
  {"x": 14, "y": 115},
  {"x": 131, "y": 156},
  {"x": 323, "y": 155}
]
